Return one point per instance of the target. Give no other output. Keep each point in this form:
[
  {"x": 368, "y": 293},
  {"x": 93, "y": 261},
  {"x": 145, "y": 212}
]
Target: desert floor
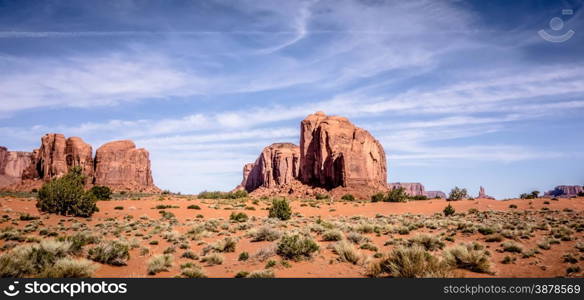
[{"x": 549, "y": 233}]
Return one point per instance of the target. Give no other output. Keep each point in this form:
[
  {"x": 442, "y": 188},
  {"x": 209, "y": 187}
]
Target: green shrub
[
  {"x": 238, "y": 217},
  {"x": 119, "y": 208},
  {"x": 532, "y": 195},
  {"x": 110, "y": 252},
  {"x": 190, "y": 255},
  {"x": 296, "y": 247},
  {"x": 101, "y": 192},
  {"x": 66, "y": 196},
  {"x": 243, "y": 256},
  {"x": 194, "y": 206},
  {"x": 159, "y": 263},
  {"x": 348, "y": 197},
  {"x": 377, "y": 197},
  {"x": 280, "y": 209},
  {"x": 396, "y": 195},
  {"x": 449, "y": 210},
  {"x": 28, "y": 217},
  {"x": 457, "y": 194}
]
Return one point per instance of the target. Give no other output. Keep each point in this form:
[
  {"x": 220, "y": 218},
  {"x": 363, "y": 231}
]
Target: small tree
[
  {"x": 449, "y": 210},
  {"x": 396, "y": 195},
  {"x": 66, "y": 196},
  {"x": 457, "y": 194},
  {"x": 280, "y": 209},
  {"x": 101, "y": 192}
]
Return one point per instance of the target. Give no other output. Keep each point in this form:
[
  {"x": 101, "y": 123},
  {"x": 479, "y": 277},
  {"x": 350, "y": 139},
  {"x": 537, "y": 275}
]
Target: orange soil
[{"x": 324, "y": 264}]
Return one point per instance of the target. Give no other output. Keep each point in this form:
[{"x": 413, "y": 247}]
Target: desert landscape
[{"x": 321, "y": 209}]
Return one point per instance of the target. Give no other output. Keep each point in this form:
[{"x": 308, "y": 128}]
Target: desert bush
[
  {"x": 190, "y": 270},
  {"x": 101, "y": 192},
  {"x": 471, "y": 257},
  {"x": 494, "y": 238},
  {"x": 348, "y": 197},
  {"x": 332, "y": 235},
  {"x": 511, "y": 246},
  {"x": 212, "y": 259},
  {"x": 347, "y": 252},
  {"x": 32, "y": 260},
  {"x": 193, "y": 206},
  {"x": 396, "y": 195},
  {"x": 532, "y": 195},
  {"x": 66, "y": 196},
  {"x": 410, "y": 262},
  {"x": 190, "y": 255},
  {"x": 449, "y": 210},
  {"x": 426, "y": 241},
  {"x": 320, "y": 196},
  {"x": 264, "y": 233},
  {"x": 69, "y": 268},
  {"x": 110, "y": 252},
  {"x": 28, "y": 217},
  {"x": 377, "y": 197},
  {"x": 355, "y": 237},
  {"x": 296, "y": 247},
  {"x": 243, "y": 256},
  {"x": 79, "y": 240},
  {"x": 225, "y": 245},
  {"x": 221, "y": 195},
  {"x": 238, "y": 217},
  {"x": 262, "y": 274},
  {"x": 457, "y": 194},
  {"x": 579, "y": 246},
  {"x": 280, "y": 209},
  {"x": 159, "y": 263}
]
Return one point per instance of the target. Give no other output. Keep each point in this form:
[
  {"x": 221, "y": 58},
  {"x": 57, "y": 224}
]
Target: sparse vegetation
[
  {"x": 468, "y": 256},
  {"x": 110, "y": 252},
  {"x": 101, "y": 192},
  {"x": 410, "y": 262},
  {"x": 159, "y": 263}
]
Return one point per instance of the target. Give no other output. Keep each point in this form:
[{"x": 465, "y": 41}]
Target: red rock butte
[
  {"x": 333, "y": 154},
  {"x": 118, "y": 165}
]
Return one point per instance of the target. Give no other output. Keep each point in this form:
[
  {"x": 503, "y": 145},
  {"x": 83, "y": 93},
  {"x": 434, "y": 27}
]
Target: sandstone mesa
[{"x": 118, "y": 165}]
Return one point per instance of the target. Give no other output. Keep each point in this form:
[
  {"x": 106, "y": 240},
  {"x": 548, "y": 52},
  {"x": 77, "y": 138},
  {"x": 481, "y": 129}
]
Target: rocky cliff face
[
  {"x": 121, "y": 166},
  {"x": 334, "y": 155},
  {"x": 435, "y": 194},
  {"x": 565, "y": 191},
  {"x": 277, "y": 165},
  {"x": 334, "y": 152},
  {"x": 12, "y": 165},
  {"x": 118, "y": 165}
]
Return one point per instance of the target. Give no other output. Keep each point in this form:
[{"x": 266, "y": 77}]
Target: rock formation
[
  {"x": 277, "y": 165},
  {"x": 411, "y": 188},
  {"x": 483, "y": 195},
  {"x": 417, "y": 189},
  {"x": 120, "y": 166},
  {"x": 334, "y": 152},
  {"x": 12, "y": 165},
  {"x": 334, "y": 156},
  {"x": 565, "y": 191},
  {"x": 435, "y": 194}
]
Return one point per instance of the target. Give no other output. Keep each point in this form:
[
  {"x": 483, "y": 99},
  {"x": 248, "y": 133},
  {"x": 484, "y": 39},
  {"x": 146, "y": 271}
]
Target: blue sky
[{"x": 459, "y": 93}]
